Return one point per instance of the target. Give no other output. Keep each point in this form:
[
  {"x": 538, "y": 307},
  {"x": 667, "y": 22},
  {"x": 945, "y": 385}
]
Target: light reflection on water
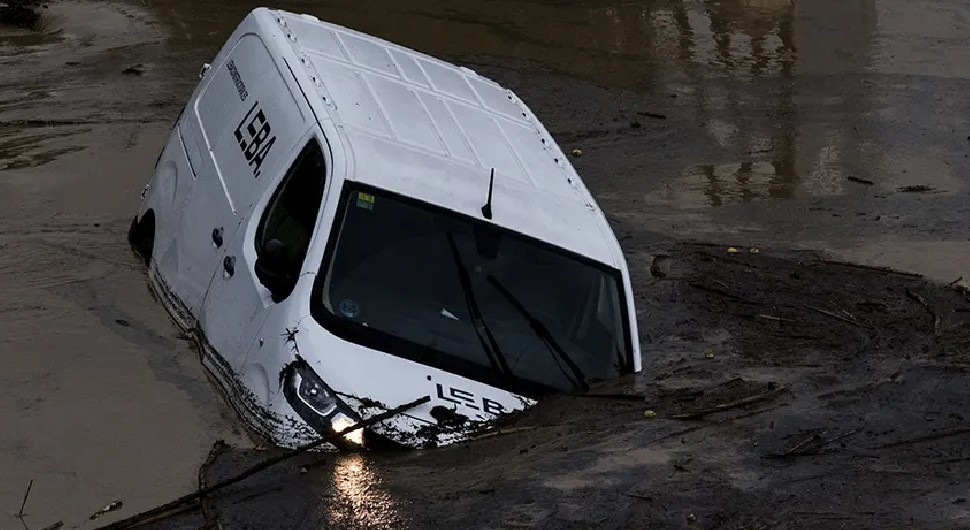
[{"x": 359, "y": 499}]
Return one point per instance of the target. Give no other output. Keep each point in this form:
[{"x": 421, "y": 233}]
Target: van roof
[{"x": 426, "y": 128}]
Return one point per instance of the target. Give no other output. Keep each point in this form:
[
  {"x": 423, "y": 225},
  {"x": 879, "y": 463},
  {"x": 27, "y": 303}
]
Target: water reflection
[
  {"x": 749, "y": 68},
  {"x": 359, "y": 500}
]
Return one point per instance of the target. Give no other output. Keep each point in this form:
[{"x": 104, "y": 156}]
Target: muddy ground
[
  {"x": 789, "y": 392},
  {"x": 811, "y": 131}
]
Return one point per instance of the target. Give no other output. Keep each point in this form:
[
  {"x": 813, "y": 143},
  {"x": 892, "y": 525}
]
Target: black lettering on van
[
  {"x": 254, "y": 137},
  {"x": 441, "y": 394},
  {"x": 237, "y": 80},
  {"x": 465, "y": 396},
  {"x": 492, "y": 407},
  {"x": 458, "y": 396}
]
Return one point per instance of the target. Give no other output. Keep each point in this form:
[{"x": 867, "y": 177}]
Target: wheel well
[{"x": 141, "y": 235}]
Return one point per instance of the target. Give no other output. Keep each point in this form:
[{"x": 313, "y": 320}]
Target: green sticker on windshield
[{"x": 365, "y": 200}]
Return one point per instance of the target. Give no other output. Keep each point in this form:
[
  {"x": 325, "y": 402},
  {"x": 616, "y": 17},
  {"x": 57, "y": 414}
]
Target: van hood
[{"x": 370, "y": 382}]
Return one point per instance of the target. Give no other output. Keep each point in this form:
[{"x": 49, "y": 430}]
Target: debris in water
[
  {"x": 853, "y": 178},
  {"x": 654, "y": 114},
  {"x": 54, "y": 526},
  {"x": 132, "y": 70},
  {"x": 731, "y": 394},
  {"x": 753, "y": 250},
  {"x": 20, "y": 514},
  {"x": 709, "y": 355},
  {"x": 918, "y": 188},
  {"x": 961, "y": 285},
  {"x": 110, "y": 507},
  {"x": 649, "y": 414},
  {"x": 577, "y": 152},
  {"x": 732, "y": 250},
  {"x": 660, "y": 267}
]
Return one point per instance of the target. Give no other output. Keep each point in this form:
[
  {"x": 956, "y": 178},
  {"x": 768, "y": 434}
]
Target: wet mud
[
  {"x": 783, "y": 390},
  {"x": 788, "y": 392}
]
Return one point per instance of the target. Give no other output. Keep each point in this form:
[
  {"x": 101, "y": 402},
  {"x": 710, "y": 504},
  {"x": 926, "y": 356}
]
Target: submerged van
[{"x": 347, "y": 225}]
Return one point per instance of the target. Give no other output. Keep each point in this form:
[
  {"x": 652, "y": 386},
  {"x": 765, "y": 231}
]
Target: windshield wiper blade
[
  {"x": 492, "y": 350},
  {"x": 543, "y": 332}
]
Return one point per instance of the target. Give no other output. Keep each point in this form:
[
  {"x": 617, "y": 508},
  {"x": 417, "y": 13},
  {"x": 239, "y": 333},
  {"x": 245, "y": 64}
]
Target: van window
[
  {"x": 465, "y": 296},
  {"x": 292, "y": 211}
]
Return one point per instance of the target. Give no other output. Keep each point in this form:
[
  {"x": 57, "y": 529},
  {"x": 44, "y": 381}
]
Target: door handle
[{"x": 229, "y": 265}]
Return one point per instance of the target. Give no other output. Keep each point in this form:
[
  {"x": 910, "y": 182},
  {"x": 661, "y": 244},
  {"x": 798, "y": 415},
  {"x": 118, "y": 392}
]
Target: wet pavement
[{"x": 835, "y": 126}]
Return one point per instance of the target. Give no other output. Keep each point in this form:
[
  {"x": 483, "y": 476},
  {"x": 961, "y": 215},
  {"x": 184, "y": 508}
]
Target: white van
[{"x": 348, "y": 225}]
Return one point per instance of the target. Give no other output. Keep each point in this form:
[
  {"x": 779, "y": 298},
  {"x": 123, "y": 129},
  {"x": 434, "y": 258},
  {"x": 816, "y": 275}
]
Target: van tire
[{"x": 141, "y": 236}]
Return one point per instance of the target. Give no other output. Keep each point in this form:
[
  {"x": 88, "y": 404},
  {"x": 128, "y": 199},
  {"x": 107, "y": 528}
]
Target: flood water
[{"x": 835, "y": 125}]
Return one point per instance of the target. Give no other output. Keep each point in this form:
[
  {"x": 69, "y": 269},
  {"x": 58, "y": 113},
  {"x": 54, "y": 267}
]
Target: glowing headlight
[
  {"x": 315, "y": 395},
  {"x": 340, "y": 422}
]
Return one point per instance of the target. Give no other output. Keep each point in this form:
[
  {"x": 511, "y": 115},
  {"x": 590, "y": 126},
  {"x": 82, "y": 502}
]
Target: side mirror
[{"x": 273, "y": 271}]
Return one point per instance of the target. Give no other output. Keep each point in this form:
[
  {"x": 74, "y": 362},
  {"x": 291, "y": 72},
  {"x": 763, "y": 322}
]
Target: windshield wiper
[
  {"x": 492, "y": 350},
  {"x": 543, "y": 332}
]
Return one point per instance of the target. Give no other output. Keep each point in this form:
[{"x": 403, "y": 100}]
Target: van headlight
[
  {"x": 317, "y": 403},
  {"x": 315, "y": 394}
]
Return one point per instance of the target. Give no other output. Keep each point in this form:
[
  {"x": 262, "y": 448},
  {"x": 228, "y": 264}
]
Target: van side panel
[
  {"x": 171, "y": 185},
  {"x": 238, "y": 117}
]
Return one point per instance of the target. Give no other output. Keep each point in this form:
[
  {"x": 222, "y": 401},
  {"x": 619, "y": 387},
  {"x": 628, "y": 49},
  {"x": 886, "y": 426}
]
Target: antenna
[{"x": 487, "y": 209}]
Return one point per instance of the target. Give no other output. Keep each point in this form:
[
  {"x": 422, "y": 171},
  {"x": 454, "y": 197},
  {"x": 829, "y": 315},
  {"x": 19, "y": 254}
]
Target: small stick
[
  {"x": 853, "y": 178},
  {"x": 20, "y": 514},
  {"x": 720, "y": 407},
  {"x": 638, "y": 496},
  {"x": 927, "y": 438},
  {"x": 869, "y": 268},
  {"x": 193, "y": 497},
  {"x": 776, "y": 319},
  {"x": 803, "y": 444},
  {"x": 954, "y": 282},
  {"x": 836, "y": 316},
  {"x": 54, "y": 526},
  {"x": 511, "y": 430},
  {"x": 933, "y": 314},
  {"x": 630, "y": 397}
]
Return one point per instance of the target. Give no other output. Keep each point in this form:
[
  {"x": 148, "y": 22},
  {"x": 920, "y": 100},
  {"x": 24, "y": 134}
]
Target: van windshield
[{"x": 464, "y": 296}]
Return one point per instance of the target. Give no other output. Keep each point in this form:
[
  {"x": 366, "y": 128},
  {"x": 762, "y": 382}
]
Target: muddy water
[{"x": 770, "y": 107}]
